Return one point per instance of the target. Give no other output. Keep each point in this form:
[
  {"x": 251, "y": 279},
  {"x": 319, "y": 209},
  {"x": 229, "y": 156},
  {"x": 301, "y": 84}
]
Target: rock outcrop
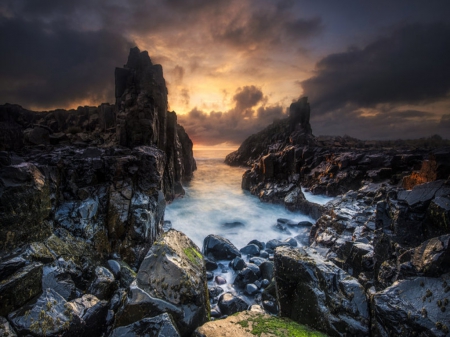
[
  {"x": 82, "y": 200},
  {"x": 378, "y": 255},
  {"x": 171, "y": 279}
]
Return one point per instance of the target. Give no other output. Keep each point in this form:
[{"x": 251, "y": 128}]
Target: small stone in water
[
  {"x": 251, "y": 288},
  {"x": 220, "y": 280},
  {"x": 209, "y": 275}
]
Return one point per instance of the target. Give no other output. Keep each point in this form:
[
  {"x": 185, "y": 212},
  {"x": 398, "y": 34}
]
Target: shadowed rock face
[
  {"x": 79, "y": 187},
  {"x": 172, "y": 279}
]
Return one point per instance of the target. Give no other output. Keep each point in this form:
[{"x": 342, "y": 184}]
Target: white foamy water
[{"x": 214, "y": 197}]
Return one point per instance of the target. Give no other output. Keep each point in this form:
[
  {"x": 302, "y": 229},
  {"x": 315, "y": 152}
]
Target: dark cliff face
[{"x": 101, "y": 173}]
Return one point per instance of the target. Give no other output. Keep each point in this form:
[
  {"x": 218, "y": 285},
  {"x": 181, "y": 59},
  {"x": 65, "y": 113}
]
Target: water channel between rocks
[{"x": 215, "y": 204}]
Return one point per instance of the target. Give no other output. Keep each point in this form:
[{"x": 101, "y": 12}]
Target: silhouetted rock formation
[{"x": 82, "y": 186}]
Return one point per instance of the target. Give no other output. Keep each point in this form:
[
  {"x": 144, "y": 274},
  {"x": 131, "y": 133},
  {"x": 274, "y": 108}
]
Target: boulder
[
  {"x": 432, "y": 257},
  {"x": 230, "y": 304},
  {"x": 246, "y": 276},
  {"x": 158, "y": 326},
  {"x": 103, "y": 285},
  {"x": 414, "y": 307},
  {"x": 250, "y": 249},
  {"x": 317, "y": 293},
  {"x": 172, "y": 279},
  {"x": 58, "y": 276},
  {"x": 238, "y": 263},
  {"x": 219, "y": 248},
  {"x": 20, "y": 287},
  {"x": 50, "y": 315}
]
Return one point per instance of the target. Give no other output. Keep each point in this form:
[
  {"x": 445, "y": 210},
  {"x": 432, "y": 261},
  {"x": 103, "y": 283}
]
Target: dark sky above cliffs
[{"x": 371, "y": 69}]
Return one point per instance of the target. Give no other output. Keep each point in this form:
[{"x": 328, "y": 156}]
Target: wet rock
[
  {"x": 286, "y": 222},
  {"x": 215, "y": 291},
  {"x": 20, "y": 287},
  {"x": 57, "y": 276},
  {"x": 245, "y": 276},
  {"x": 235, "y": 224},
  {"x": 230, "y": 304},
  {"x": 92, "y": 313},
  {"x": 271, "y": 307},
  {"x": 257, "y": 260},
  {"x": 216, "y": 247},
  {"x": 50, "y": 315},
  {"x": 264, "y": 255},
  {"x": 266, "y": 269},
  {"x": 238, "y": 263},
  {"x": 158, "y": 326},
  {"x": 272, "y": 244},
  {"x": 210, "y": 265},
  {"x": 215, "y": 312},
  {"x": 127, "y": 275},
  {"x": 114, "y": 267},
  {"x": 10, "y": 265},
  {"x": 209, "y": 275},
  {"x": 265, "y": 283},
  {"x": 432, "y": 257},
  {"x": 6, "y": 329},
  {"x": 412, "y": 306},
  {"x": 103, "y": 285},
  {"x": 260, "y": 244},
  {"x": 317, "y": 293},
  {"x": 250, "y": 249},
  {"x": 172, "y": 279},
  {"x": 220, "y": 280},
  {"x": 251, "y": 289}
]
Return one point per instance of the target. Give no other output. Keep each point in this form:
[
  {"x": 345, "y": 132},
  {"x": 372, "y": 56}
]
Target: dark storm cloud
[
  {"x": 266, "y": 26},
  {"x": 247, "y": 97},
  {"x": 57, "y": 53},
  {"x": 411, "y": 65},
  {"x": 50, "y": 65},
  {"x": 234, "y": 125}
]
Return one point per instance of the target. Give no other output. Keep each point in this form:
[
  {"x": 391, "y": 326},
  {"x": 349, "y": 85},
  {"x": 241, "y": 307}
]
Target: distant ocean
[{"x": 214, "y": 198}]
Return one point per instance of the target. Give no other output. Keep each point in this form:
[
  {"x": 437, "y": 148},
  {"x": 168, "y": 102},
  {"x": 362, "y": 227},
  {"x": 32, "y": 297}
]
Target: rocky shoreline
[
  {"x": 83, "y": 251},
  {"x": 378, "y": 256}
]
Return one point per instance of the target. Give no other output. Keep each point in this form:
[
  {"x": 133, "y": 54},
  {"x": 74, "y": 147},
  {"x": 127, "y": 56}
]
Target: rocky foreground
[{"x": 378, "y": 258}]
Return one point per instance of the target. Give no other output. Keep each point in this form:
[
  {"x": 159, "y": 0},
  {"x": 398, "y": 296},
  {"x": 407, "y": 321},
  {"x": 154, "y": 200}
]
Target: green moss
[
  {"x": 193, "y": 255},
  {"x": 280, "y": 327}
]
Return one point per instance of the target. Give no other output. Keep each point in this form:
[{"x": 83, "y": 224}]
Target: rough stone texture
[
  {"x": 314, "y": 292},
  {"x": 219, "y": 248},
  {"x": 79, "y": 187},
  {"x": 24, "y": 204},
  {"x": 172, "y": 278},
  {"x": 245, "y": 322},
  {"x": 416, "y": 307},
  {"x": 20, "y": 287},
  {"x": 230, "y": 304},
  {"x": 432, "y": 258},
  {"x": 158, "y": 326},
  {"x": 6, "y": 329}
]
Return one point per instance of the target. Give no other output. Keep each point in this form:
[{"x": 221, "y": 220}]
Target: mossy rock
[{"x": 250, "y": 324}]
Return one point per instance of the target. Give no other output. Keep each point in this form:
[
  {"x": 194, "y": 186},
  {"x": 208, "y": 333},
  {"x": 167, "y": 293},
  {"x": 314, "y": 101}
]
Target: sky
[{"x": 371, "y": 69}]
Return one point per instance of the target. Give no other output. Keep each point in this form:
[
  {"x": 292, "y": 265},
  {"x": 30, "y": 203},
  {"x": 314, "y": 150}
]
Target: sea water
[{"x": 215, "y": 203}]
